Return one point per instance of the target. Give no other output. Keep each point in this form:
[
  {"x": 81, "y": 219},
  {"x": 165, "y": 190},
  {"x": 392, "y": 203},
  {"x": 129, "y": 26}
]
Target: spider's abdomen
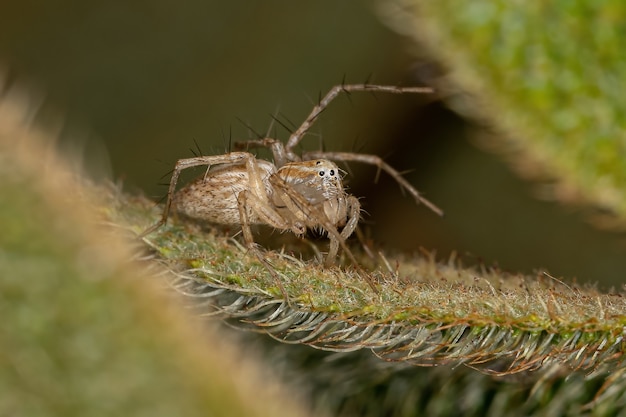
[{"x": 214, "y": 198}]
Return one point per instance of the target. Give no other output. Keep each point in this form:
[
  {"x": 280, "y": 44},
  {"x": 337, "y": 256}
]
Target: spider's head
[
  {"x": 317, "y": 180},
  {"x": 327, "y": 171}
]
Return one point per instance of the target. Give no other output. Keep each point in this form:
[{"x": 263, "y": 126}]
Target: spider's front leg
[
  {"x": 296, "y": 205},
  {"x": 317, "y": 216},
  {"x": 381, "y": 165},
  {"x": 320, "y": 214},
  {"x": 297, "y": 135}
]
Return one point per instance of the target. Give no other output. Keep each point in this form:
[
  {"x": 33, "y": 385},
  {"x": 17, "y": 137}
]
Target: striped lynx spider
[{"x": 293, "y": 193}]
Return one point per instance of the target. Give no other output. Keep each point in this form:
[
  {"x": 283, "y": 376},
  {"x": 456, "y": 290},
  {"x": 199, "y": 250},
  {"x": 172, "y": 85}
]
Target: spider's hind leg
[{"x": 181, "y": 165}]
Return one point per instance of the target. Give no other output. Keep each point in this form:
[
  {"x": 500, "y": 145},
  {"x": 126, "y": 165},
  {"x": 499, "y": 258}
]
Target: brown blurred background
[{"x": 138, "y": 83}]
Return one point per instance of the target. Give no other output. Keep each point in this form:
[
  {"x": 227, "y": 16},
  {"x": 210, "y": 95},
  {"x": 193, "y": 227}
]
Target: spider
[{"x": 293, "y": 193}]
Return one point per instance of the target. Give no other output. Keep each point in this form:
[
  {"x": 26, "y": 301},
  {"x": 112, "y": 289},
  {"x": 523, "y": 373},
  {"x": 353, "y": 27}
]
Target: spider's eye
[
  {"x": 318, "y": 162},
  {"x": 321, "y": 173},
  {"x": 332, "y": 172}
]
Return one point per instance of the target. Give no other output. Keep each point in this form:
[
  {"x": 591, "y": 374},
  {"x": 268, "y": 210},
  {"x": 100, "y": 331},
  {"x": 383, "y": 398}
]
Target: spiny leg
[
  {"x": 297, "y": 136},
  {"x": 297, "y": 203},
  {"x": 242, "y": 204},
  {"x": 276, "y": 146},
  {"x": 181, "y": 165},
  {"x": 381, "y": 164},
  {"x": 268, "y": 214},
  {"x": 299, "y": 206}
]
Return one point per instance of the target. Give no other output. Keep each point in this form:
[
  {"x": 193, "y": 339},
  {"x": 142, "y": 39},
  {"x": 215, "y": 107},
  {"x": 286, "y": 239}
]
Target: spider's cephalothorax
[{"x": 319, "y": 182}]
